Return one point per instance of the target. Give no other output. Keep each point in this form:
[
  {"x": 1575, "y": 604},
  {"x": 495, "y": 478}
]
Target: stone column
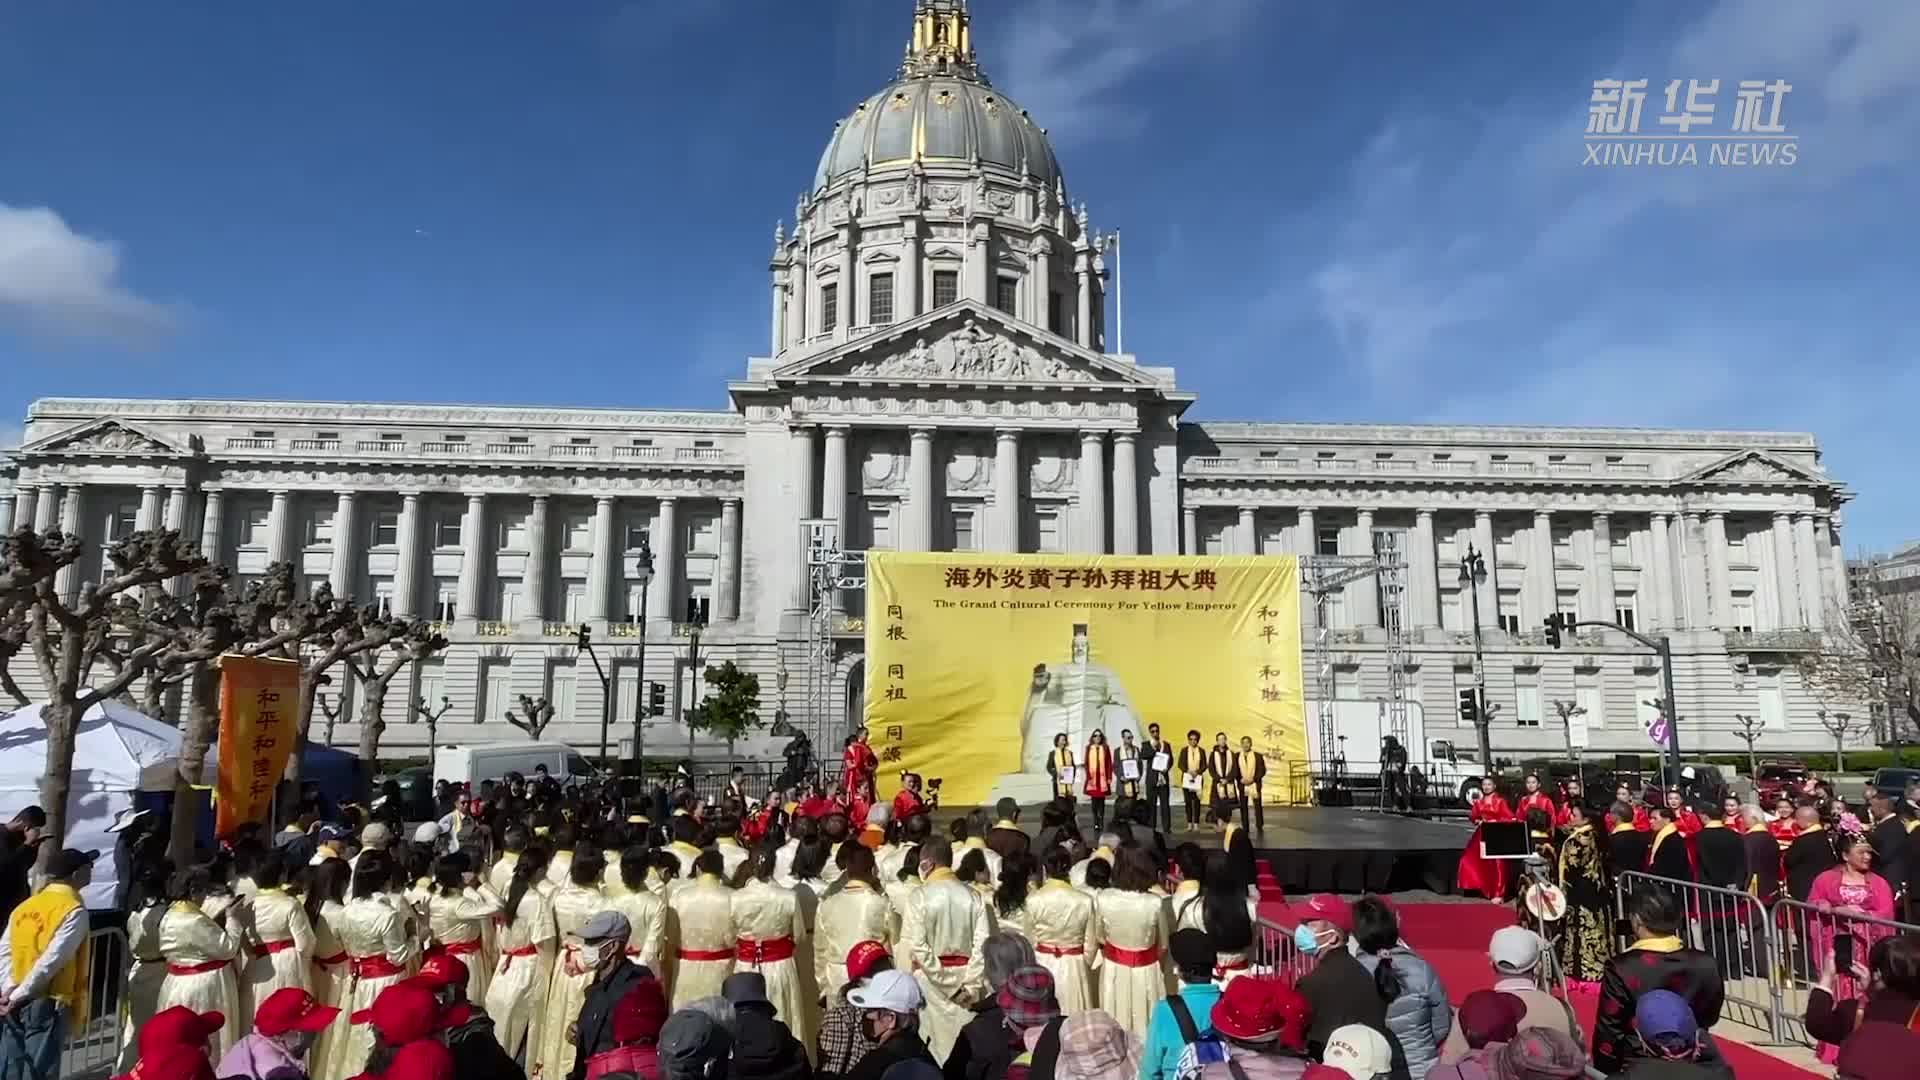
[
  {"x": 663, "y": 596},
  {"x": 918, "y": 534},
  {"x": 345, "y": 552},
  {"x": 1091, "y": 537},
  {"x": 981, "y": 251},
  {"x": 1006, "y": 490},
  {"x": 1364, "y": 595},
  {"x": 406, "y": 563},
  {"x": 600, "y": 567},
  {"x": 1698, "y": 611},
  {"x": 1540, "y": 597},
  {"x": 726, "y": 579},
  {"x": 210, "y": 525},
  {"x": 1837, "y": 590},
  {"x": 804, "y": 507},
  {"x": 799, "y": 295},
  {"x": 1786, "y": 592},
  {"x": 148, "y": 517},
  {"x": 1247, "y": 538},
  {"x": 833, "y": 482},
  {"x": 849, "y": 281},
  {"x": 1601, "y": 568},
  {"x": 1489, "y": 590},
  {"x": 1304, "y": 540},
  {"x": 1717, "y": 571},
  {"x": 1665, "y": 602},
  {"x": 72, "y": 502},
  {"x": 46, "y": 509},
  {"x": 24, "y": 500},
  {"x": 176, "y": 512},
  {"x": 6, "y": 509},
  {"x": 779, "y": 331},
  {"x": 533, "y": 581},
  {"x": 278, "y": 524},
  {"x": 1190, "y": 530},
  {"x": 1126, "y": 493},
  {"x": 907, "y": 302},
  {"x": 1083, "y": 317},
  {"x": 470, "y": 602},
  {"x": 1423, "y": 572},
  {"x": 1812, "y": 604},
  {"x": 1040, "y": 287}
]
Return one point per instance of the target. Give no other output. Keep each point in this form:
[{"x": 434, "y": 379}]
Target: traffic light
[
  {"x": 1469, "y": 707},
  {"x": 1556, "y": 623},
  {"x": 656, "y": 699}
]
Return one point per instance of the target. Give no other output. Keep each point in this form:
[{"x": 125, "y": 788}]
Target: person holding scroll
[
  {"x": 1225, "y": 772},
  {"x": 1060, "y": 767},
  {"x": 1158, "y": 755},
  {"x": 1130, "y": 761},
  {"x": 1099, "y": 775},
  {"x": 1253, "y": 774},
  {"x": 1193, "y": 772}
]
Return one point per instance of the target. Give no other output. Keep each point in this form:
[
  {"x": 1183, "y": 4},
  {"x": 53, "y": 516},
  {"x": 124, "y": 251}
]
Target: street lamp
[
  {"x": 642, "y": 573},
  {"x": 1473, "y": 575}
]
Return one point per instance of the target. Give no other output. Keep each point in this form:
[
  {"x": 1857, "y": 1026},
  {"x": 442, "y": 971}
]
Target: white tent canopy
[{"x": 115, "y": 749}]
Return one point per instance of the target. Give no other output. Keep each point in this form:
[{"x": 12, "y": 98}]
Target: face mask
[
  {"x": 870, "y": 1029},
  {"x": 1305, "y": 939}
]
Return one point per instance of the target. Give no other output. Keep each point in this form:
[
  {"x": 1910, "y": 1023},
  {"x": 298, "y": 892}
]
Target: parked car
[
  {"x": 490, "y": 761},
  {"x": 1596, "y": 779},
  {"x": 1780, "y": 777},
  {"x": 1697, "y": 781},
  {"x": 1894, "y": 782}
]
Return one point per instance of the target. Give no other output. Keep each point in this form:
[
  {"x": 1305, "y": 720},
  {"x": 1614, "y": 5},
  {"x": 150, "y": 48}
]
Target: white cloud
[
  {"x": 62, "y": 283},
  {"x": 1065, "y": 61}
]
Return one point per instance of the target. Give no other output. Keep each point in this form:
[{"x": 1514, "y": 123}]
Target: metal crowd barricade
[
  {"x": 1805, "y": 938},
  {"x": 92, "y": 1051},
  {"x": 1274, "y": 952},
  {"x": 1741, "y": 935}
]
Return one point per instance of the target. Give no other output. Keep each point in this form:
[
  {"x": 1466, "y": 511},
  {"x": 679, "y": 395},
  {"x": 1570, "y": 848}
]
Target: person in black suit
[
  {"x": 1723, "y": 864},
  {"x": 1159, "y": 782},
  {"x": 1627, "y": 846},
  {"x": 1007, "y": 838},
  {"x": 1889, "y": 838},
  {"x": 1811, "y": 853},
  {"x": 1657, "y": 960},
  {"x": 1253, "y": 774},
  {"x": 1193, "y": 762},
  {"x": 1237, "y": 844},
  {"x": 1667, "y": 857}
]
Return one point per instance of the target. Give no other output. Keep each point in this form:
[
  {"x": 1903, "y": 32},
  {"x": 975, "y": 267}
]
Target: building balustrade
[{"x": 235, "y": 443}]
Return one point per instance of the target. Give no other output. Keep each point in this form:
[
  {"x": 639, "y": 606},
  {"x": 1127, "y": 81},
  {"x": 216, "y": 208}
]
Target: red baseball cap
[
  {"x": 641, "y": 1013},
  {"x": 442, "y": 969},
  {"x": 292, "y": 1009},
  {"x": 1258, "y": 1008},
  {"x": 404, "y": 1012},
  {"x": 178, "y": 1026},
  {"x": 1325, "y": 907},
  {"x": 421, "y": 1059},
  {"x": 862, "y": 957}
]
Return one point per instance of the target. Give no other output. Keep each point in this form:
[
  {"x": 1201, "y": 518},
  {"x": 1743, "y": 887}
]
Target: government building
[{"x": 938, "y": 376}]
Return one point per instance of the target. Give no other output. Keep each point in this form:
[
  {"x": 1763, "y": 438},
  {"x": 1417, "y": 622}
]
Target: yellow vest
[{"x": 29, "y": 935}]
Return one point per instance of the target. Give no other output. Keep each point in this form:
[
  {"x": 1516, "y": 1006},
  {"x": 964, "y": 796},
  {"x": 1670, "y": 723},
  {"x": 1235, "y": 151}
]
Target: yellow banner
[
  {"x": 259, "y": 723},
  {"x": 975, "y": 663}
]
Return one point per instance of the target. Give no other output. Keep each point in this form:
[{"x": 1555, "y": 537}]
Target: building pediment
[
  {"x": 105, "y": 437},
  {"x": 1753, "y": 467},
  {"x": 964, "y": 343}
]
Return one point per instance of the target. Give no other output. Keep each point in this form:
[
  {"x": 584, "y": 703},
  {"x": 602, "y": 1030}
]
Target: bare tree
[
  {"x": 1842, "y": 726},
  {"x": 433, "y": 725},
  {"x": 67, "y": 637},
  {"x": 1749, "y": 733},
  {"x": 407, "y": 642},
  {"x": 1884, "y": 621},
  {"x": 535, "y": 715},
  {"x": 1568, "y": 710}
]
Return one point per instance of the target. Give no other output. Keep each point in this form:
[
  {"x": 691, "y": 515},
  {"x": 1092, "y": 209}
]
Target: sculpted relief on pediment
[
  {"x": 107, "y": 438},
  {"x": 972, "y": 352}
]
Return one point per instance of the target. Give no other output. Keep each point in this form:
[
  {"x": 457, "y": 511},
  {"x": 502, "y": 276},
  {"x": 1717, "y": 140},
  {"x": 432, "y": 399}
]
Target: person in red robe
[
  {"x": 1488, "y": 877},
  {"x": 1623, "y": 795},
  {"x": 1682, "y": 815},
  {"x": 908, "y": 801},
  {"x": 1571, "y": 792},
  {"x": 1782, "y": 826},
  {"x": 1536, "y": 799},
  {"x": 857, "y": 765},
  {"x": 1099, "y": 768}
]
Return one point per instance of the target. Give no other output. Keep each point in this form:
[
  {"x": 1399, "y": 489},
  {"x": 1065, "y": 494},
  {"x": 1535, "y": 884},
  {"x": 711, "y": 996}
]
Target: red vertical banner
[{"x": 259, "y": 714}]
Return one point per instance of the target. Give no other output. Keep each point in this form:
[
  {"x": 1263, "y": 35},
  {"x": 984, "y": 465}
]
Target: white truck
[{"x": 1437, "y": 769}]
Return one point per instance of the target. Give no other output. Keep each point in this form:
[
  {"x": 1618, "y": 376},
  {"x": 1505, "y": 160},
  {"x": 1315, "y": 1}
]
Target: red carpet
[{"x": 1453, "y": 938}]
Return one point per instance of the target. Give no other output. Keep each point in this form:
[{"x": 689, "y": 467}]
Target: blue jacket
[{"x": 1164, "y": 1041}]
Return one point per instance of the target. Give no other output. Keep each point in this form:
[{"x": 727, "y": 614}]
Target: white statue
[{"x": 1074, "y": 698}]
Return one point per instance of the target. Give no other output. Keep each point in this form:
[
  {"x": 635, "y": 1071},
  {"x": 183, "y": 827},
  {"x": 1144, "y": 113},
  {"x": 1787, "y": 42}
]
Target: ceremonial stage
[{"x": 1324, "y": 849}]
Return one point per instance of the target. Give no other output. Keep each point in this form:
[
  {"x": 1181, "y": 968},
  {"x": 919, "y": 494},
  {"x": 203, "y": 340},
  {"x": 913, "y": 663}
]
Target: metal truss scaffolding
[
  {"x": 1326, "y": 576},
  {"x": 831, "y": 574}
]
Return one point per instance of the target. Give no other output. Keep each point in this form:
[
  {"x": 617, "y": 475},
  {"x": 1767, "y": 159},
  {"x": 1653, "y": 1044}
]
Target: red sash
[
  {"x": 749, "y": 951},
  {"x": 197, "y": 969},
  {"x": 461, "y": 948},
  {"x": 1061, "y": 950},
  {"x": 268, "y": 948},
  {"x": 375, "y": 967},
  {"x": 707, "y": 955},
  {"x": 952, "y": 960},
  {"x": 524, "y": 950},
  {"x": 1237, "y": 964},
  {"x": 331, "y": 961},
  {"x": 1146, "y": 957}
]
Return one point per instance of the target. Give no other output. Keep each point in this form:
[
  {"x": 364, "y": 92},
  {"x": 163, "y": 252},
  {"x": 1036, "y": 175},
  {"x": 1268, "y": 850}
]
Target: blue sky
[{"x": 1332, "y": 212}]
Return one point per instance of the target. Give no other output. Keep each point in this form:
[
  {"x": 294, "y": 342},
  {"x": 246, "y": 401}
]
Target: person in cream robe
[
  {"x": 332, "y": 970},
  {"x": 459, "y": 910},
  {"x": 732, "y": 854},
  {"x": 574, "y": 903},
  {"x": 703, "y": 913},
  {"x": 144, "y": 979},
  {"x": 950, "y": 923},
  {"x": 381, "y": 950},
  {"x": 858, "y": 911},
  {"x": 1061, "y": 924},
  {"x": 900, "y": 897},
  {"x": 773, "y": 941},
  {"x": 647, "y": 913},
  {"x": 1134, "y": 927},
  {"x": 529, "y": 940},
  {"x": 200, "y": 955},
  {"x": 279, "y": 941}
]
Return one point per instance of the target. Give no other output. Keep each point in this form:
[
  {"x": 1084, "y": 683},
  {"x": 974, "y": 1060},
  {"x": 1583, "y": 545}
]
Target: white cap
[
  {"x": 427, "y": 833},
  {"x": 892, "y": 991},
  {"x": 1359, "y": 1051},
  {"x": 1514, "y": 950},
  {"x": 125, "y": 819}
]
